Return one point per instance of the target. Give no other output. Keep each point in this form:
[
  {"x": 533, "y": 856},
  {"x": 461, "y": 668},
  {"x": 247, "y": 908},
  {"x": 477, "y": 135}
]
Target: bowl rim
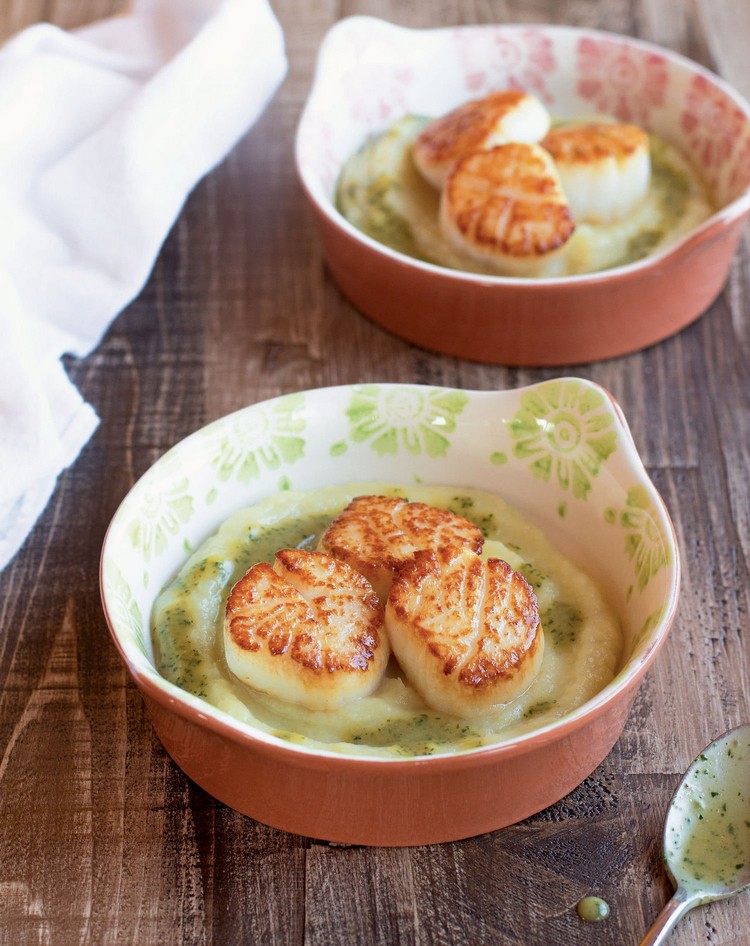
[
  {"x": 195, "y": 710},
  {"x": 722, "y": 217}
]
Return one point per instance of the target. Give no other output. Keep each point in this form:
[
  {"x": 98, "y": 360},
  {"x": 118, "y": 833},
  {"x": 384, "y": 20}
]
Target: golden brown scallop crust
[
  {"x": 465, "y": 129},
  {"x": 506, "y": 202},
  {"x": 375, "y": 534},
  {"x": 309, "y": 630},
  {"x": 588, "y": 144},
  {"x": 465, "y": 631}
]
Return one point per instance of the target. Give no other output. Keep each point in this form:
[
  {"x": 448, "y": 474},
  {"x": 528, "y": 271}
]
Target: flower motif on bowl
[
  {"x": 320, "y": 157},
  {"x": 620, "y": 81},
  {"x": 496, "y": 58},
  {"x": 565, "y": 428},
  {"x": 377, "y": 96},
  {"x": 493, "y": 59},
  {"x": 712, "y": 124},
  {"x": 418, "y": 420},
  {"x": 263, "y": 438},
  {"x": 739, "y": 179},
  {"x": 644, "y": 635},
  {"x": 124, "y": 608},
  {"x": 644, "y": 542},
  {"x": 161, "y": 514}
]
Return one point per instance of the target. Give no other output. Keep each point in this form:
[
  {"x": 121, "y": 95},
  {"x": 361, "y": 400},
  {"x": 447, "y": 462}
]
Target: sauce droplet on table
[{"x": 592, "y": 909}]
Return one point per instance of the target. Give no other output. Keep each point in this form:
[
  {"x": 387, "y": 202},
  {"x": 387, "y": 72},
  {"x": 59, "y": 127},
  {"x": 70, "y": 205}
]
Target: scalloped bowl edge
[{"x": 395, "y": 801}]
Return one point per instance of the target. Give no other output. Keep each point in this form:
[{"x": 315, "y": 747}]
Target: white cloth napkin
[{"x": 103, "y": 133}]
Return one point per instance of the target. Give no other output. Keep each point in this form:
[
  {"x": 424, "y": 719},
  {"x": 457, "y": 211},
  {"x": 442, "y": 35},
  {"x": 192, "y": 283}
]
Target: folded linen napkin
[{"x": 103, "y": 133}]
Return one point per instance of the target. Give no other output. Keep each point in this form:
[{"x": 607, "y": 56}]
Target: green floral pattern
[
  {"x": 161, "y": 514},
  {"x": 418, "y": 420},
  {"x": 264, "y": 438},
  {"x": 647, "y": 628},
  {"x": 566, "y": 430},
  {"x": 124, "y": 610},
  {"x": 644, "y": 542}
]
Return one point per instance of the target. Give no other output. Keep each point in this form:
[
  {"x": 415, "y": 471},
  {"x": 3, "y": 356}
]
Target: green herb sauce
[
  {"x": 583, "y": 638},
  {"x": 707, "y": 834},
  {"x": 592, "y": 909},
  {"x": 381, "y": 193}
]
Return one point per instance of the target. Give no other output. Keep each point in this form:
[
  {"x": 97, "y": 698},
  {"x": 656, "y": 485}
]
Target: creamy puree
[
  {"x": 381, "y": 192},
  {"x": 582, "y": 635}
]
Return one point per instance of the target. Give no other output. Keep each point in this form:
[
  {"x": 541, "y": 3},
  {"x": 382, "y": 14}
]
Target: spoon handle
[{"x": 666, "y": 920}]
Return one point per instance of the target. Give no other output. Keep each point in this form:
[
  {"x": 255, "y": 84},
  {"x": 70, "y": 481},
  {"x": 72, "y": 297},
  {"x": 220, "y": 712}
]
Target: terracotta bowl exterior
[
  {"x": 560, "y": 451},
  {"x": 371, "y": 72}
]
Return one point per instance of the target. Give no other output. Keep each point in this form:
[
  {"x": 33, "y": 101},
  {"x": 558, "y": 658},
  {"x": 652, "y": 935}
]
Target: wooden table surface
[{"x": 102, "y": 838}]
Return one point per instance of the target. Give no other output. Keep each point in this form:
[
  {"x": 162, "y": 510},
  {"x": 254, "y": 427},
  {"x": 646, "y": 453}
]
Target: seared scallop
[
  {"x": 308, "y": 630},
  {"x": 375, "y": 534},
  {"x": 605, "y": 169},
  {"x": 506, "y": 207},
  {"x": 477, "y": 125},
  {"x": 465, "y": 631}
]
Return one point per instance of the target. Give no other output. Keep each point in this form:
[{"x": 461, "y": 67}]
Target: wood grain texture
[{"x": 102, "y": 838}]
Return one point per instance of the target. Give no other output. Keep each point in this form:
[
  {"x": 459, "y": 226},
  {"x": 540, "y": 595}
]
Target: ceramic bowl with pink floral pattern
[{"x": 370, "y": 73}]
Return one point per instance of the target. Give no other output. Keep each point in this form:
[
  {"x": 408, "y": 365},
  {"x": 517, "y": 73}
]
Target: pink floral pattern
[
  {"x": 319, "y": 155},
  {"x": 620, "y": 81},
  {"x": 739, "y": 179},
  {"x": 519, "y": 60},
  {"x": 712, "y": 124},
  {"x": 378, "y": 96},
  {"x": 372, "y": 77}
]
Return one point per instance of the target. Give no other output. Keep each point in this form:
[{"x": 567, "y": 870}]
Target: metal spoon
[{"x": 707, "y": 831}]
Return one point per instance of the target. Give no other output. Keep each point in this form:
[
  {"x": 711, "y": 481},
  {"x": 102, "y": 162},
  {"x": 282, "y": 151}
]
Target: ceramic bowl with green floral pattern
[{"x": 560, "y": 452}]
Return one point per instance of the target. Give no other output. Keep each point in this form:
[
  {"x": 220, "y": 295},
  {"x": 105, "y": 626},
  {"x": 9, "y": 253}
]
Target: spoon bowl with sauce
[{"x": 707, "y": 831}]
